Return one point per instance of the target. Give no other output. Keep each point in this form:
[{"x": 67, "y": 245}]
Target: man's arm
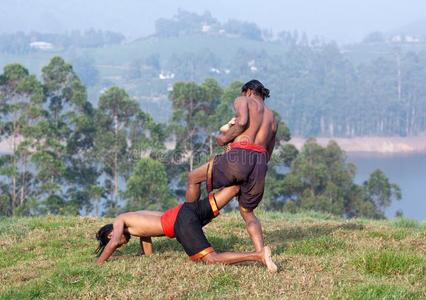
[
  {"x": 241, "y": 121},
  {"x": 146, "y": 245},
  {"x": 114, "y": 242},
  {"x": 271, "y": 145}
]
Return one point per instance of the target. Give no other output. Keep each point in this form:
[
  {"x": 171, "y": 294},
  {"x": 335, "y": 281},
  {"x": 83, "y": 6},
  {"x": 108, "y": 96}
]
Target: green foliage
[
  {"x": 21, "y": 97},
  {"x": 116, "y": 111},
  {"x": 147, "y": 187},
  {"x": 83, "y": 155},
  {"x": 380, "y": 191},
  {"x": 320, "y": 179},
  {"x": 389, "y": 262}
]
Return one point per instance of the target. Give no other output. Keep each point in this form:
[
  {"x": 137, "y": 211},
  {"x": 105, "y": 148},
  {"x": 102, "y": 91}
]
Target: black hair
[
  {"x": 257, "y": 87},
  {"x": 102, "y": 237}
]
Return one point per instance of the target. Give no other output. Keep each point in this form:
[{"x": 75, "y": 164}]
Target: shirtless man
[
  {"x": 185, "y": 222},
  {"x": 250, "y": 136}
]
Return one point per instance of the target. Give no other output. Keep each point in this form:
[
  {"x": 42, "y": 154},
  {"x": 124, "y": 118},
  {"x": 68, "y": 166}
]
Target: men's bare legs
[
  {"x": 195, "y": 178},
  {"x": 254, "y": 229},
  {"x": 263, "y": 256}
]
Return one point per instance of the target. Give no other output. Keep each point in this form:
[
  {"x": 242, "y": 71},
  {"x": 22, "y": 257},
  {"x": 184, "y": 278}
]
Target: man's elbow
[{"x": 241, "y": 123}]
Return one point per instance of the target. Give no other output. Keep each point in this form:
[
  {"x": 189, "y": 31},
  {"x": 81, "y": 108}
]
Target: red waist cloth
[
  {"x": 168, "y": 220},
  {"x": 247, "y": 146}
]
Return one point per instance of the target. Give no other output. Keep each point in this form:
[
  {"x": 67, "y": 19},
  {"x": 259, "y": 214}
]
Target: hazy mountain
[
  {"x": 344, "y": 21},
  {"x": 416, "y": 28}
]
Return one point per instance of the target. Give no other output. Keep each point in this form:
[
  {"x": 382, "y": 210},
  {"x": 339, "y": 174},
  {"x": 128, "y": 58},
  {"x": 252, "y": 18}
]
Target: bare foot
[{"x": 267, "y": 260}]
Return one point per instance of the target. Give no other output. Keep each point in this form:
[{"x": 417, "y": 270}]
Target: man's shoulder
[{"x": 242, "y": 99}]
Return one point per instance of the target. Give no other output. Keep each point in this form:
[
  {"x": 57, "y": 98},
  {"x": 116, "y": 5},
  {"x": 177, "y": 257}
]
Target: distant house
[
  {"x": 405, "y": 39},
  {"x": 252, "y": 65},
  {"x": 41, "y": 45},
  {"x": 412, "y": 39},
  {"x": 166, "y": 75},
  {"x": 215, "y": 70},
  {"x": 206, "y": 28}
]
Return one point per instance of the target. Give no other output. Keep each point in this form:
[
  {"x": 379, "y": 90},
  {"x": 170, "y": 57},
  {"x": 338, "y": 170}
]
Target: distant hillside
[
  {"x": 318, "y": 256},
  {"x": 416, "y": 28},
  {"x": 320, "y": 89}
]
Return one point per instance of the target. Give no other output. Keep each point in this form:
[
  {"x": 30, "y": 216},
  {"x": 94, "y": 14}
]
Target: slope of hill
[
  {"x": 415, "y": 28},
  {"x": 318, "y": 257}
]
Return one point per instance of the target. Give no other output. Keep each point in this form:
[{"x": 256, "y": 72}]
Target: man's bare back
[
  {"x": 261, "y": 127},
  {"x": 142, "y": 223}
]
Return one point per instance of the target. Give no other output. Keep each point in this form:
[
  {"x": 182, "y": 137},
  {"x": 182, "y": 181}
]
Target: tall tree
[
  {"x": 21, "y": 98},
  {"x": 64, "y": 139},
  {"x": 147, "y": 187},
  {"x": 116, "y": 110},
  {"x": 189, "y": 106}
]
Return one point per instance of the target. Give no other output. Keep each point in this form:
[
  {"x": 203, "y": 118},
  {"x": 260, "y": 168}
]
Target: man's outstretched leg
[
  {"x": 263, "y": 256},
  {"x": 195, "y": 178}
]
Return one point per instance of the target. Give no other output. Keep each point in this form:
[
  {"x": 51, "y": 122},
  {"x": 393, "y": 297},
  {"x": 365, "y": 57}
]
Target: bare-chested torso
[
  {"x": 261, "y": 123},
  {"x": 143, "y": 223}
]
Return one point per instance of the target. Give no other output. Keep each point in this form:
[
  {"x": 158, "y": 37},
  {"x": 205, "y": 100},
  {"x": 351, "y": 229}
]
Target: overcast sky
[{"x": 341, "y": 20}]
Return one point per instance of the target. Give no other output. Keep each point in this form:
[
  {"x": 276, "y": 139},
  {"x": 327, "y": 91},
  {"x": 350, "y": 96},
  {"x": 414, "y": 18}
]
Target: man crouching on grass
[{"x": 185, "y": 222}]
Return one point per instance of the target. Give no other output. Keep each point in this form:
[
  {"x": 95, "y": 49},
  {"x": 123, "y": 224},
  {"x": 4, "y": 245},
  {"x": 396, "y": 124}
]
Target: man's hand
[
  {"x": 227, "y": 126},
  {"x": 241, "y": 121}
]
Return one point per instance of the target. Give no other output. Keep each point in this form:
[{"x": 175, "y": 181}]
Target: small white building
[
  {"x": 41, "y": 45},
  {"x": 206, "y": 28},
  {"x": 252, "y": 66},
  {"x": 166, "y": 75}
]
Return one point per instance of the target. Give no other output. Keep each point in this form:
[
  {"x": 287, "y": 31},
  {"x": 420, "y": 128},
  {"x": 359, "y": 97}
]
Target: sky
[{"x": 342, "y": 20}]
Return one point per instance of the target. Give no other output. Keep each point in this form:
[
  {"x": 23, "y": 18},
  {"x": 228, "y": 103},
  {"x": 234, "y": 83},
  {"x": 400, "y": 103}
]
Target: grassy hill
[{"x": 318, "y": 257}]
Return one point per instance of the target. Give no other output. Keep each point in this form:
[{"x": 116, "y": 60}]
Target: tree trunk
[
  {"x": 398, "y": 64},
  {"x": 15, "y": 166},
  {"x": 23, "y": 181},
  {"x": 115, "y": 168}
]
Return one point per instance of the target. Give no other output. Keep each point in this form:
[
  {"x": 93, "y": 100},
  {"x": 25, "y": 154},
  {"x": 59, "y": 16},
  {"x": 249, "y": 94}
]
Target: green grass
[
  {"x": 407, "y": 223},
  {"x": 318, "y": 256},
  {"x": 390, "y": 262},
  {"x": 316, "y": 246},
  {"x": 379, "y": 291}
]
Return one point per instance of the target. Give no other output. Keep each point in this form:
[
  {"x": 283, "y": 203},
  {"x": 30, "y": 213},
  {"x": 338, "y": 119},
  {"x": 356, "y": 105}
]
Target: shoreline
[{"x": 371, "y": 144}]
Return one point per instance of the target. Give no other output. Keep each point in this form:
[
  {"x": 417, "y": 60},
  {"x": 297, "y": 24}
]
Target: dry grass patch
[{"x": 52, "y": 258}]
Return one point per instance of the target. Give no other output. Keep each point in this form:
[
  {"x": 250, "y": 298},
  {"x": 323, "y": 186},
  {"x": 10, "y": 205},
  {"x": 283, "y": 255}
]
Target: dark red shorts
[
  {"x": 245, "y": 165},
  {"x": 186, "y": 222}
]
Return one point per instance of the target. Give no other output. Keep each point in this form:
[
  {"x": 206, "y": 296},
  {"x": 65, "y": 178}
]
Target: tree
[
  {"x": 189, "y": 106},
  {"x": 380, "y": 191},
  {"x": 116, "y": 110},
  {"x": 147, "y": 187},
  {"x": 21, "y": 98},
  {"x": 64, "y": 140},
  {"x": 320, "y": 179}
]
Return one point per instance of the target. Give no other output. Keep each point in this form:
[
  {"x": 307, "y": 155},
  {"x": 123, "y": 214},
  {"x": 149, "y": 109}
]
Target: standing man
[{"x": 250, "y": 136}]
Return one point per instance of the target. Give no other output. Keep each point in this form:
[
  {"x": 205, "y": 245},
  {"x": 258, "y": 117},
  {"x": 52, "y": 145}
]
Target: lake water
[{"x": 406, "y": 170}]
